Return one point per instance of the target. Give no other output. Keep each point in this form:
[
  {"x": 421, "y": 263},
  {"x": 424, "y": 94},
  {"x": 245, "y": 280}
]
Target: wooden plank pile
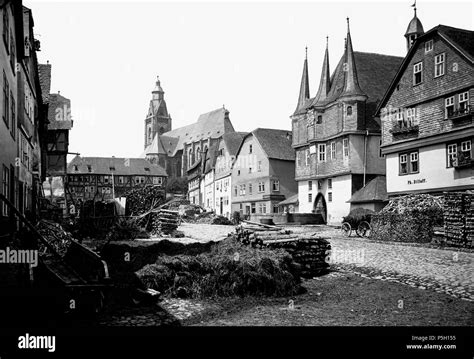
[
  {"x": 168, "y": 221},
  {"x": 310, "y": 252},
  {"x": 459, "y": 219}
]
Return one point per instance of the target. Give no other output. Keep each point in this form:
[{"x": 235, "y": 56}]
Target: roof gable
[
  {"x": 374, "y": 191},
  {"x": 275, "y": 144},
  {"x": 458, "y": 39}
]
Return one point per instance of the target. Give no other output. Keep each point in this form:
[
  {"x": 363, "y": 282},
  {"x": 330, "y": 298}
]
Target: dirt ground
[{"x": 341, "y": 299}]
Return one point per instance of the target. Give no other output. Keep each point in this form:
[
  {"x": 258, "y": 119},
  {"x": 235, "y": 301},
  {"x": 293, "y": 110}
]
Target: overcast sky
[{"x": 247, "y": 56}]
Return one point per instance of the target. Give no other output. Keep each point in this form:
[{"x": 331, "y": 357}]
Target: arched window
[{"x": 349, "y": 110}]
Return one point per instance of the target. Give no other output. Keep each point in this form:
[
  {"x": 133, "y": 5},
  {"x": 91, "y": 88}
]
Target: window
[
  {"x": 89, "y": 168},
  {"x": 310, "y": 197},
  {"x": 250, "y": 149},
  {"x": 412, "y": 118},
  {"x": 463, "y": 102},
  {"x": 243, "y": 189},
  {"x": 299, "y": 158},
  {"x": 75, "y": 168},
  {"x": 329, "y": 183},
  {"x": 380, "y": 149},
  {"x": 403, "y": 164},
  {"x": 6, "y": 29},
  {"x": 428, "y": 46},
  {"x": 106, "y": 179},
  {"x": 13, "y": 116},
  {"x": 5, "y": 188},
  {"x": 333, "y": 150},
  {"x": 349, "y": 111},
  {"x": 452, "y": 155},
  {"x": 439, "y": 64},
  {"x": 329, "y": 196},
  {"x": 235, "y": 191},
  {"x": 275, "y": 208},
  {"x": 345, "y": 145},
  {"x": 261, "y": 186},
  {"x": 417, "y": 73},
  {"x": 400, "y": 118},
  {"x": 238, "y": 172},
  {"x": 250, "y": 169},
  {"x": 157, "y": 180},
  {"x": 466, "y": 146},
  {"x": 259, "y": 166},
  {"x": 6, "y": 97},
  {"x": 120, "y": 179},
  {"x": 322, "y": 152},
  {"x": 264, "y": 208},
  {"x": 320, "y": 185},
  {"x": 310, "y": 185},
  {"x": 414, "y": 162},
  {"x": 275, "y": 185},
  {"x": 250, "y": 188},
  {"x": 252, "y": 208},
  {"x": 319, "y": 119},
  {"x": 12, "y": 53},
  {"x": 307, "y": 157},
  {"x": 449, "y": 104}
]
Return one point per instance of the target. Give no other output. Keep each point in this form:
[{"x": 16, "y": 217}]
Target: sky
[{"x": 246, "y": 56}]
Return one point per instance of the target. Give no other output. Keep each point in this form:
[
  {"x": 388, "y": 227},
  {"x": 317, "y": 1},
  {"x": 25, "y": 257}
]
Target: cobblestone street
[{"x": 443, "y": 270}]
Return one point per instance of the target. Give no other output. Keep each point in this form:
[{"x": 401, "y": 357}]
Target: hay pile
[
  {"x": 408, "y": 203},
  {"x": 230, "y": 269}
]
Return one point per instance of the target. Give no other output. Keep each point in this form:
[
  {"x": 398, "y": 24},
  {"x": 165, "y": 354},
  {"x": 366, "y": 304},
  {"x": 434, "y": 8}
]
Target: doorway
[{"x": 320, "y": 207}]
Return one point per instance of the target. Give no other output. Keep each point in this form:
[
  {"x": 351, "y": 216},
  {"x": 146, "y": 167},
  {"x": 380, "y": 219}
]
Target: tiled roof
[
  {"x": 58, "y": 109},
  {"x": 123, "y": 166},
  {"x": 374, "y": 72},
  {"x": 374, "y": 191},
  {"x": 275, "y": 143},
  {"x": 464, "y": 39},
  {"x": 44, "y": 73},
  {"x": 209, "y": 125},
  {"x": 233, "y": 141},
  {"x": 211, "y": 157}
]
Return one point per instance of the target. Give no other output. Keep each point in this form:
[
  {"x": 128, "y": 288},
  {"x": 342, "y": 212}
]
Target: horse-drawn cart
[{"x": 357, "y": 220}]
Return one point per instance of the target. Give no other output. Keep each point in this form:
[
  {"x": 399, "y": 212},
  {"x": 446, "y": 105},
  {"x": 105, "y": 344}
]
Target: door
[
  {"x": 221, "y": 205},
  {"x": 320, "y": 207}
]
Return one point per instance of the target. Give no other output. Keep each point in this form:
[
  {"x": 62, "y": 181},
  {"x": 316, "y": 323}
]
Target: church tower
[
  {"x": 414, "y": 30},
  {"x": 158, "y": 120}
]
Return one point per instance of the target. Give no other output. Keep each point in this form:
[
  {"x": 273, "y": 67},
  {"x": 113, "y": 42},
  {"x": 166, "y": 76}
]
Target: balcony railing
[
  {"x": 401, "y": 128},
  {"x": 463, "y": 160},
  {"x": 460, "y": 113}
]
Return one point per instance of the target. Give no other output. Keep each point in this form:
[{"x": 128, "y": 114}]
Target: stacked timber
[
  {"x": 458, "y": 218},
  {"x": 168, "y": 221},
  {"x": 308, "y": 251}
]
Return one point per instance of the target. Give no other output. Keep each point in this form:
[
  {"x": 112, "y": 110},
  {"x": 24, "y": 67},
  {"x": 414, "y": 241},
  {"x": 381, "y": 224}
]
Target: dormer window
[
  {"x": 349, "y": 110},
  {"x": 75, "y": 168},
  {"x": 89, "y": 168},
  {"x": 147, "y": 169},
  {"x": 111, "y": 168}
]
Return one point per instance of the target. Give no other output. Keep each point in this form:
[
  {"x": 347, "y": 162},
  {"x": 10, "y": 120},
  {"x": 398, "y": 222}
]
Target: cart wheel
[
  {"x": 364, "y": 229},
  {"x": 346, "y": 229}
]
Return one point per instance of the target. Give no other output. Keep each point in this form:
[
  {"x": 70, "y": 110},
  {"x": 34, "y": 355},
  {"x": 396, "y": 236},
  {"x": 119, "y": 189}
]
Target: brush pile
[
  {"x": 144, "y": 199},
  {"x": 229, "y": 269},
  {"x": 56, "y": 236}
]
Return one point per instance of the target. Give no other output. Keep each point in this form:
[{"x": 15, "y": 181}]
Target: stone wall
[{"x": 459, "y": 219}]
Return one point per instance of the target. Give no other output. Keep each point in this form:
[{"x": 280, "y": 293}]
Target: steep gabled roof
[
  {"x": 59, "y": 115},
  {"x": 232, "y": 141},
  {"x": 123, "y": 166},
  {"x": 276, "y": 144},
  {"x": 290, "y": 200},
  {"x": 44, "y": 73},
  {"x": 209, "y": 125},
  {"x": 374, "y": 191},
  {"x": 461, "y": 40},
  {"x": 304, "y": 96}
]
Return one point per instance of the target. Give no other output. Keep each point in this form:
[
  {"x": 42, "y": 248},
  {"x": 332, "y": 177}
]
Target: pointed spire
[
  {"x": 325, "y": 80},
  {"x": 304, "y": 87},
  {"x": 351, "y": 82}
]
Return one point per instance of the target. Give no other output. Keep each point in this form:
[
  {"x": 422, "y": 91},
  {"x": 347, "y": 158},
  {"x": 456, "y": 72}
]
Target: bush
[
  {"x": 230, "y": 269},
  {"x": 221, "y": 220},
  {"x": 236, "y": 217}
]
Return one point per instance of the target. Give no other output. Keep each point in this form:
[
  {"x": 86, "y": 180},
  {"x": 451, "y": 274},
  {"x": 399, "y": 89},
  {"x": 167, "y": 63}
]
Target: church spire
[
  {"x": 325, "y": 81},
  {"x": 304, "y": 87},
  {"x": 351, "y": 82},
  {"x": 158, "y": 93}
]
